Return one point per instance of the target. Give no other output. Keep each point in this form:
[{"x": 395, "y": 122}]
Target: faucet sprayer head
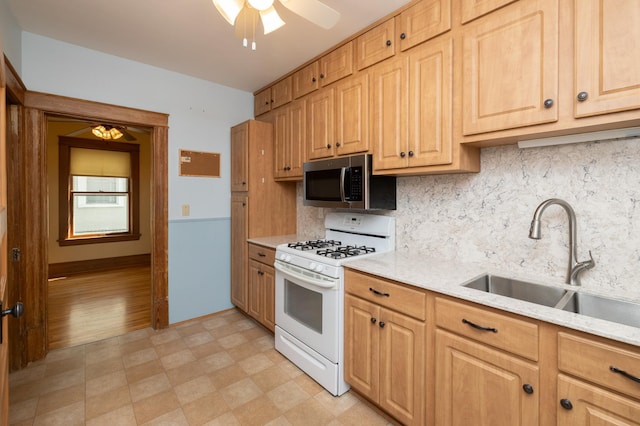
[{"x": 534, "y": 231}]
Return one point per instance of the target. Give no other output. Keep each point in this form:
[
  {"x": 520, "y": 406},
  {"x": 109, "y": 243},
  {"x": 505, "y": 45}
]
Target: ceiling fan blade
[
  {"x": 271, "y": 21},
  {"x": 314, "y": 11}
]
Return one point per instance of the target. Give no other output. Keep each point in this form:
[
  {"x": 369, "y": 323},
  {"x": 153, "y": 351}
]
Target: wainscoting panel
[{"x": 199, "y": 267}]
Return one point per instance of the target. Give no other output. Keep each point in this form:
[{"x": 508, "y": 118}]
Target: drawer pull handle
[
  {"x": 625, "y": 374},
  {"x": 379, "y": 293},
  {"x": 262, "y": 254},
  {"x": 479, "y": 327}
]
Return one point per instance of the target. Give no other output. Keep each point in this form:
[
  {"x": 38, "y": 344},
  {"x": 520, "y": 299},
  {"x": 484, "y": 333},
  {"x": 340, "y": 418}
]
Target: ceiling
[{"x": 190, "y": 36}]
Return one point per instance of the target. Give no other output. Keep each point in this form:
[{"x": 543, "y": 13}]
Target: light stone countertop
[{"x": 445, "y": 277}]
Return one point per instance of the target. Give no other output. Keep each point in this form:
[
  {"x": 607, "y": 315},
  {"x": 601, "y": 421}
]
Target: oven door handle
[{"x": 304, "y": 278}]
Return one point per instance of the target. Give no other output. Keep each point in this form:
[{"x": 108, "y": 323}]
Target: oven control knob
[
  {"x": 312, "y": 265},
  {"x": 319, "y": 268}
]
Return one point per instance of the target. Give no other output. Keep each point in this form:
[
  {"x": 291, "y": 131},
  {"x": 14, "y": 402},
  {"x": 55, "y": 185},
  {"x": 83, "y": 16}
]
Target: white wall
[
  {"x": 200, "y": 116},
  {"x": 10, "y": 33}
]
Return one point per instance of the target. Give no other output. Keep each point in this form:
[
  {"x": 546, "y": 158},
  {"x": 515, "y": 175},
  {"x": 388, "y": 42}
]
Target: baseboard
[{"x": 65, "y": 269}]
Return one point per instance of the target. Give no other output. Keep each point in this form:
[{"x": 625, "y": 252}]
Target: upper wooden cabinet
[
  {"x": 607, "y": 56},
  {"x": 472, "y": 9},
  {"x": 423, "y": 21},
  {"x": 412, "y": 108},
  {"x": 306, "y": 80},
  {"x": 273, "y": 97},
  {"x": 320, "y": 124},
  {"x": 337, "y": 64},
  {"x": 289, "y": 124},
  {"x": 375, "y": 45},
  {"x": 510, "y": 68},
  {"x": 240, "y": 158},
  {"x": 352, "y": 115}
]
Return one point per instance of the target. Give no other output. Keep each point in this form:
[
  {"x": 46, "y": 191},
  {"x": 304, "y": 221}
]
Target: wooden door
[
  {"x": 4, "y": 344},
  {"x": 306, "y": 80},
  {"x": 320, "y": 124},
  {"x": 607, "y": 52},
  {"x": 422, "y": 21},
  {"x": 297, "y": 139},
  {"x": 584, "y": 404},
  {"x": 281, "y": 142},
  {"x": 481, "y": 386},
  {"x": 389, "y": 106},
  {"x": 336, "y": 64},
  {"x": 239, "y": 157},
  {"x": 269, "y": 297},
  {"x": 239, "y": 250},
  {"x": 510, "y": 68},
  {"x": 376, "y": 45},
  {"x": 352, "y": 115},
  {"x": 254, "y": 289},
  {"x": 361, "y": 346},
  {"x": 430, "y": 104},
  {"x": 402, "y": 367}
]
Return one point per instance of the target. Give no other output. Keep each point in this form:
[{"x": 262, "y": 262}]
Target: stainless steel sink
[
  {"x": 521, "y": 290},
  {"x": 604, "y": 308}
]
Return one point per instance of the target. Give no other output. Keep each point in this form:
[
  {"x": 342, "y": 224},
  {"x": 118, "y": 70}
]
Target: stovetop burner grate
[
  {"x": 345, "y": 251},
  {"x": 314, "y": 244}
]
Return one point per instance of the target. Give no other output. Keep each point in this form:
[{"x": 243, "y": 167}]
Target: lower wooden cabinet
[
  {"x": 478, "y": 385},
  {"x": 385, "y": 358},
  {"x": 261, "y": 286}
]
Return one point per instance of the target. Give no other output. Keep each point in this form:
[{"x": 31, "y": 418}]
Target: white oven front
[{"x": 309, "y": 307}]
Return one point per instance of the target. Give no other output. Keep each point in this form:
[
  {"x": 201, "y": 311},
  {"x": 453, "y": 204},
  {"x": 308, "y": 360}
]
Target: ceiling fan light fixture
[
  {"x": 271, "y": 21},
  {"x": 229, "y": 9},
  {"x": 106, "y": 132},
  {"x": 261, "y": 4}
]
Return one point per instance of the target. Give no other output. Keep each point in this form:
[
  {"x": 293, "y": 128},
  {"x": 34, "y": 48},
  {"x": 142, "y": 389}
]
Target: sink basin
[
  {"x": 521, "y": 290},
  {"x": 603, "y": 308}
]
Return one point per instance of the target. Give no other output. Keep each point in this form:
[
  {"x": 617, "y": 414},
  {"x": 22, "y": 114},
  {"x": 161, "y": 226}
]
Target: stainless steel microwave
[{"x": 348, "y": 182}]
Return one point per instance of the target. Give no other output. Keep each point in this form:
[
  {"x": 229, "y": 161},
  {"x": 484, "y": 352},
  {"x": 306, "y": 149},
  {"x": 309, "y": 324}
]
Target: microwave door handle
[{"x": 343, "y": 173}]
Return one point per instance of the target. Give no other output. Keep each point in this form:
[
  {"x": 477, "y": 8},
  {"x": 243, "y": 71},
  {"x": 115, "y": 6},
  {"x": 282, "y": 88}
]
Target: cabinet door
[
  {"x": 239, "y": 250},
  {"x": 389, "y": 105},
  {"x": 281, "y": 142},
  {"x": 472, "y": 9},
  {"x": 402, "y": 361},
  {"x": 591, "y": 405},
  {"x": 607, "y": 52},
  {"x": 361, "y": 346},
  {"x": 352, "y": 115},
  {"x": 336, "y": 64},
  {"x": 268, "y": 297},
  {"x": 481, "y": 386},
  {"x": 298, "y": 139},
  {"x": 430, "y": 110},
  {"x": 423, "y": 21},
  {"x": 305, "y": 80},
  {"x": 254, "y": 290},
  {"x": 240, "y": 157},
  {"x": 376, "y": 45},
  {"x": 281, "y": 93},
  {"x": 510, "y": 68},
  {"x": 320, "y": 126},
  {"x": 262, "y": 102}
]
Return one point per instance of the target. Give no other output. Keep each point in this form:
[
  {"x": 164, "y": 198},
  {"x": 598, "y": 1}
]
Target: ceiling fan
[{"x": 244, "y": 14}]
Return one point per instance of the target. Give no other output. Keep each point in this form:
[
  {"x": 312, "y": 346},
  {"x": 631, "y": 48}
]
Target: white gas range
[{"x": 310, "y": 292}]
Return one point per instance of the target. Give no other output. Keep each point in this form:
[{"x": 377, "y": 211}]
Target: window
[{"x": 98, "y": 187}]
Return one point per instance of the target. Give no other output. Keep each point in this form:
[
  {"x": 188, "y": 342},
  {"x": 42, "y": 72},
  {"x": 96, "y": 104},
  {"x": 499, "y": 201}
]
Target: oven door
[{"x": 309, "y": 307}]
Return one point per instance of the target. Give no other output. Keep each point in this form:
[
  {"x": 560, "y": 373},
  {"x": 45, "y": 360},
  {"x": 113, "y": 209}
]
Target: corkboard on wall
[{"x": 198, "y": 163}]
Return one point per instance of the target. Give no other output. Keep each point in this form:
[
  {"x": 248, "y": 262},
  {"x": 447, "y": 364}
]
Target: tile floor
[{"x": 220, "y": 370}]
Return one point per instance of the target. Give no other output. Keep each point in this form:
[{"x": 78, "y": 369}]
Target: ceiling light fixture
[
  {"x": 106, "y": 132},
  {"x": 245, "y": 15}
]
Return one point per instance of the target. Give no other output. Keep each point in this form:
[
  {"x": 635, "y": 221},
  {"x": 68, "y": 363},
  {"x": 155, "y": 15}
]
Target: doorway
[{"x": 30, "y": 192}]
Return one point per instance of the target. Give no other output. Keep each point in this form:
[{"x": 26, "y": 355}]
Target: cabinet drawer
[
  {"x": 510, "y": 334},
  {"x": 388, "y": 294},
  {"x": 592, "y": 361},
  {"x": 262, "y": 254}
]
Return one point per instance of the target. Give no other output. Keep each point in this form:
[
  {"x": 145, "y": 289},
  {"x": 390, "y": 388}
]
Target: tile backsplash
[{"x": 485, "y": 217}]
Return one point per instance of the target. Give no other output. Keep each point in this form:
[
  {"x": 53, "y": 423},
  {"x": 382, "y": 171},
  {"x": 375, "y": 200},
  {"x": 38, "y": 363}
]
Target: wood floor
[{"x": 86, "y": 308}]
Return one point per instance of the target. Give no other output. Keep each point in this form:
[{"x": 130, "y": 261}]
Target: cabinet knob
[
  {"x": 388, "y": 42},
  {"x": 566, "y": 404},
  {"x": 321, "y": 75},
  {"x": 328, "y": 146},
  {"x": 382, "y": 324},
  {"x": 402, "y": 154},
  {"x": 527, "y": 388},
  {"x": 267, "y": 102},
  {"x": 337, "y": 144},
  {"x": 548, "y": 103},
  {"x": 373, "y": 320},
  {"x": 403, "y": 36},
  {"x": 410, "y": 153},
  {"x": 313, "y": 79},
  {"x": 244, "y": 183},
  {"x": 582, "y": 96}
]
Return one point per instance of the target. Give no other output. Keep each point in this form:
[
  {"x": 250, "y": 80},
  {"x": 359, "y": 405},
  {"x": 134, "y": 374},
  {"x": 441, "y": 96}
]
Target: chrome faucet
[{"x": 575, "y": 267}]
